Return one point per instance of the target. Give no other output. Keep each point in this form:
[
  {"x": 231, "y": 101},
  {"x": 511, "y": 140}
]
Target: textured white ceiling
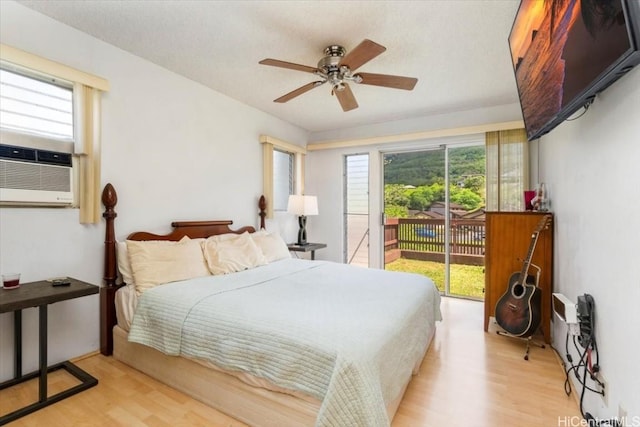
[{"x": 456, "y": 48}]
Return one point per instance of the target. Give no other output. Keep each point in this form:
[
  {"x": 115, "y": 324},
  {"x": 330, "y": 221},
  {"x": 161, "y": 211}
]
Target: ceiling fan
[{"x": 337, "y": 68}]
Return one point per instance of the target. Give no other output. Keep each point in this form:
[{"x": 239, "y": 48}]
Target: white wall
[
  {"x": 173, "y": 149},
  {"x": 591, "y": 167}
]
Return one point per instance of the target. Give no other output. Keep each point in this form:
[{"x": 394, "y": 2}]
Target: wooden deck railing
[{"x": 423, "y": 239}]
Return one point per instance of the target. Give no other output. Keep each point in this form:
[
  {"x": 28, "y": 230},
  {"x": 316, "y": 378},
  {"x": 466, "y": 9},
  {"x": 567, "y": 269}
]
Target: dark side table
[
  {"x": 41, "y": 294},
  {"x": 309, "y": 247}
]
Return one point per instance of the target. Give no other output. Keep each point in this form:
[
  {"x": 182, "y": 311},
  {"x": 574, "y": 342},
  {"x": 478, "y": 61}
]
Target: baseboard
[{"x": 84, "y": 356}]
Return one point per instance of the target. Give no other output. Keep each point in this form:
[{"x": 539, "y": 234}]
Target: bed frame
[
  {"x": 253, "y": 405},
  {"x": 192, "y": 229}
]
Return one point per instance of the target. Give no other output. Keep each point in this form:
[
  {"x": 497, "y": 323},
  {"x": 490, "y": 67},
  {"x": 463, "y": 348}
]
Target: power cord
[
  {"x": 585, "y": 107},
  {"x": 586, "y": 340}
]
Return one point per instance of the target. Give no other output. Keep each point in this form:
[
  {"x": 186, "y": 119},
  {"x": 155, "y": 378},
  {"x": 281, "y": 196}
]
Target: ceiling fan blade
[
  {"x": 299, "y": 91},
  {"x": 346, "y": 98},
  {"x": 396, "y": 82},
  {"x": 363, "y": 53},
  {"x": 289, "y": 65}
]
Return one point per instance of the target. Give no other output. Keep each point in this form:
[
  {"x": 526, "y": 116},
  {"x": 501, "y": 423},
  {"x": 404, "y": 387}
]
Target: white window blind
[
  {"x": 356, "y": 215},
  {"x": 34, "y": 106},
  {"x": 283, "y": 179}
]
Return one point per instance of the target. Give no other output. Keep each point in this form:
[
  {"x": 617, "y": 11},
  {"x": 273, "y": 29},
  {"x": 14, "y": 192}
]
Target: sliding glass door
[
  {"x": 434, "y": 216},
  {"x": 467, "y": 195}
]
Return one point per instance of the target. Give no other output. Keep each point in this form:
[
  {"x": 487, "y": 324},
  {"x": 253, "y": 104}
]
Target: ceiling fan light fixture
[
  {"x": 337, "y": 68},
  {"x": 334, "y": 78},
  {"x": 335, "y": 50}
]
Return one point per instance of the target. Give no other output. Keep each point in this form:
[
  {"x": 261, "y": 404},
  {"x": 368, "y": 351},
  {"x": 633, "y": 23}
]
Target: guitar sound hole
[{"x": 518, "y": 290}]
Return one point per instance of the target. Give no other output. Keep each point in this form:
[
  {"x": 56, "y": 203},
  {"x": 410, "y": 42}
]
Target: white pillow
[
  {"x": 226, "y": 236},
  {"x": 155, "y": 262},
  {"x": 228, "y": 254},
  {"x": 124, "y": 265},
  {"x": 273, "y": 247}
]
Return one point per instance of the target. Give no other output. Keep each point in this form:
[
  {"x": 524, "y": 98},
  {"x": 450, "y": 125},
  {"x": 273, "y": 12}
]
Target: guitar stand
[{"x": 529, "y": 340}]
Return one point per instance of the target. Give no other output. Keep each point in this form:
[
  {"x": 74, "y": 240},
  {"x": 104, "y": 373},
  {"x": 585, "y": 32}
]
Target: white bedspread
[{"x": 346, "y": 335}]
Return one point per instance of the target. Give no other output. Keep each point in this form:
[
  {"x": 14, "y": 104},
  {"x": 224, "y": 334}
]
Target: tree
[
  {"x": 465, "y": 197},
  {"x": 396, "y": 194},
  {"x": 420, "y": 199},
  {"x": 474, "y": 183},
  {"x": 394, "y": 211},
  {"x": 437, "y": 191}
]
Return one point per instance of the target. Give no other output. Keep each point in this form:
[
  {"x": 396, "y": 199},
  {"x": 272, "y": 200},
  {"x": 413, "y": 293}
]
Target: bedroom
[{"x": 589, "y": 165}]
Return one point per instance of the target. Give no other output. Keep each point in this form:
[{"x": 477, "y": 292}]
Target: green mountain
[{"x": 427, "y": 167}]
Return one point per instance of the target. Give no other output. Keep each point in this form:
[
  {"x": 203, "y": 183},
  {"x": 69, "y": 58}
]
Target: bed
[{"x": 285, "y": 342}]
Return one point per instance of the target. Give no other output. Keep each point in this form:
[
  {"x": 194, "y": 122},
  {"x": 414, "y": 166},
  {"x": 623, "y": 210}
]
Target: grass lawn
[{"x": 466, "y": 280}]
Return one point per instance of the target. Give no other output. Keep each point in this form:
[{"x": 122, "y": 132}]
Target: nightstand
[
  {"x": 309, "y": 247},
  {"x": 41, "y": 294}
]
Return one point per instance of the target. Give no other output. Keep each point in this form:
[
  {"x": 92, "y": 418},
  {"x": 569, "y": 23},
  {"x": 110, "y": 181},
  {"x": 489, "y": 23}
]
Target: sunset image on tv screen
[{"x": 558, "y": 49}]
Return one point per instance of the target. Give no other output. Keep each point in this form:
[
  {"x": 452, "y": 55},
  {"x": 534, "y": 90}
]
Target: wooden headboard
[{"x": 192, "y": 229}]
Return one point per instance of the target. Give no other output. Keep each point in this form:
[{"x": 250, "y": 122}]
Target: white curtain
[
  {"x": 267, "y": 177},
  {"x": 87, "y": 148},
  {"x": 507, "y": 169}
]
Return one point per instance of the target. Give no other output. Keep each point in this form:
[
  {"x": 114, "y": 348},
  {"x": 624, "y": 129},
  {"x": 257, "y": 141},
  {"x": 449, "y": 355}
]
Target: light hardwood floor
[{"x": 468, "y": 378}]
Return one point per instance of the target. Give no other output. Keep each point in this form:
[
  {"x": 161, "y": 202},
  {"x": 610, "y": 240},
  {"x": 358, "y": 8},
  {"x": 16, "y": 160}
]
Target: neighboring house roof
[
  {"x": 425, "y": 214},
  {"x": 477, "y": 213},
  {"x": 452, "y": 205}
]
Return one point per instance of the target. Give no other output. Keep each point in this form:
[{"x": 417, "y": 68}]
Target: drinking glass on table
[{"x": 11, "y": 280}]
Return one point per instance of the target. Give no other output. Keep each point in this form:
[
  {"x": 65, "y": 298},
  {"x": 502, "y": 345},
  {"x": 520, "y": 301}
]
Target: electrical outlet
[
  {"x": 622, "y": 416},
  {"x": 603, "y": 389}
]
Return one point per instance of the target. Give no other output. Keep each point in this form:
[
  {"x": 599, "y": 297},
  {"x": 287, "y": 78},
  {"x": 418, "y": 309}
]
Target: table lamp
[{"x": 302, "y": 206}]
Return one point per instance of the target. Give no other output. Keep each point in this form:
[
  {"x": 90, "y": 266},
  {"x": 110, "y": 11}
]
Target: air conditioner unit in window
[{"x": 35, "y": 177}]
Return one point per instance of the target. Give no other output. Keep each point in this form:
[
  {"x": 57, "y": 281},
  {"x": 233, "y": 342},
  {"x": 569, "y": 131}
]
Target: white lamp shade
[{"x": 303, "y": 205}]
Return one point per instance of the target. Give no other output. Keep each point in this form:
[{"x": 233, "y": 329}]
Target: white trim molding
[
  {"x": 283, "y": 145},
  {"x": 414, "y": 136},
  {"x": 35, "y": 62}
]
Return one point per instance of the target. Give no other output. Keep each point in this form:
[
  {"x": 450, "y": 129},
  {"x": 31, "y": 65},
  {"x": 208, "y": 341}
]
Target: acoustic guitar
[{"x": 518, "y": 310}]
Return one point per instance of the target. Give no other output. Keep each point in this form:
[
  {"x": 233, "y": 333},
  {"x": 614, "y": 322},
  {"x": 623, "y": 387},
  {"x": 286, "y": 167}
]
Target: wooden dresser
[{"x": 508, "y": 237}]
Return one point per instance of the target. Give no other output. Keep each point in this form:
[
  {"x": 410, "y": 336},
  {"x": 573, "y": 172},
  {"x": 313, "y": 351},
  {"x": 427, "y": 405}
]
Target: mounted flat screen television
[{"x": 566, "y": 51}]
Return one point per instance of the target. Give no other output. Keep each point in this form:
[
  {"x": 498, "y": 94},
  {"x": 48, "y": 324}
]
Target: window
[
  {"x": 37, "y": 129},
  {"x": 49, "y": 106},
  {"x": 34, "y": 106},
  {"x": 507, "y": 169},
  {"x": 283, "y": 172},
  {"x": 283, "y": 179}
]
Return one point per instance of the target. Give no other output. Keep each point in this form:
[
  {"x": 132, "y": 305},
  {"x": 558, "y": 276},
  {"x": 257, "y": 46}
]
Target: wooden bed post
[
  {"x": 108, "y": 291},
  {"x": 262, "y": 204}
]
